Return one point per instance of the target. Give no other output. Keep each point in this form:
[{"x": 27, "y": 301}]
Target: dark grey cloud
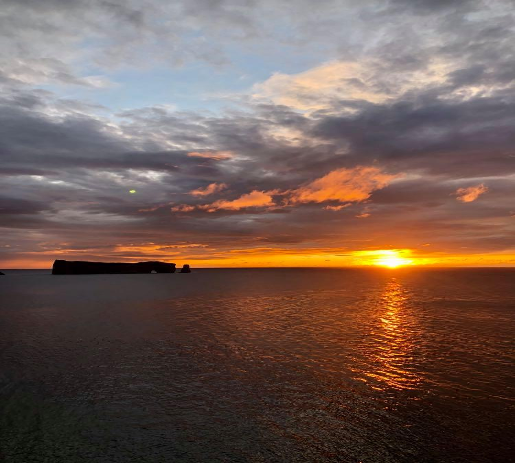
[
  {"x": 471, "y": 137},
  {"x": 10, "y": 206}
]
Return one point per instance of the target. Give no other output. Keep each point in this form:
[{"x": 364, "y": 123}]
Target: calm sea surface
[{"x": 258, "y": 365}]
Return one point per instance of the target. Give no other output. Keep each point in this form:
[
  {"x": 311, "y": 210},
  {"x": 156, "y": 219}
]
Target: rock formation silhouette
[
  {"x": 185, "y": 269},
  {"x": 62, "y": 267}
]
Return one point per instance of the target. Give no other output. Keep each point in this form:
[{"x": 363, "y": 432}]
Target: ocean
[{"x": 268, "y": 365}]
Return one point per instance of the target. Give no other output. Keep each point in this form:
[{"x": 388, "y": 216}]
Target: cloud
[
  {"x": 208, "y": 190},
  {"x": 342, "y": 185},
  {"x": 214, "y": 155},
  {"x": 447, "y": 136},
  {"x": 117, "y": 33},
  {"x": 50, "y": 70},
  {"x": 365, "y": 213},
  {"x": 470, "y": 194},
  {"x": 368, "y": 81},
  {"x": 182, "y": 209},
  {"x": 315, "y": 88},
  {"x": 253, "y": 199},
  {"x": 336, "y": 207}
]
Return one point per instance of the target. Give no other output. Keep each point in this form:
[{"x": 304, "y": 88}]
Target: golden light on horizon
[{"x": 199, "y": 255}]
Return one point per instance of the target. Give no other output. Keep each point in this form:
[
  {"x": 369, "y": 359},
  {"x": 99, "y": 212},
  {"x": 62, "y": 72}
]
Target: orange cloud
[
  {"x": 364, "y": 214},
  {"x": 342, "y": 185},
  {"x": 314, "y": 88},
  {"x": 182, "y": 209},
  {"x": 253, "y": 199},
  {"x": 470, "y": 194},
  {"x": 337, "y": 208},
  {"x": 152, "y": 208},
  {"x": 214, "y": 155},
  {"x": 319, "y": 87},
  {"x": 210, "y": 189}
]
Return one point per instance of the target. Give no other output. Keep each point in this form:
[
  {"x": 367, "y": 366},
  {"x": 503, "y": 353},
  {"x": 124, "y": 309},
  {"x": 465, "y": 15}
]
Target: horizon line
[{"x": 364, "y": 266}]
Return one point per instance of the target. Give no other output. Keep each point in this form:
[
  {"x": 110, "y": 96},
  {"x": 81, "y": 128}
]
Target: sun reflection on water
[{"x": 391, "y": 342}]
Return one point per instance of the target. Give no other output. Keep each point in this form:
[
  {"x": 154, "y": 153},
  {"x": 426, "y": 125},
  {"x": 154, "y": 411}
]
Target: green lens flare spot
[{"x": 132, "y": 191}]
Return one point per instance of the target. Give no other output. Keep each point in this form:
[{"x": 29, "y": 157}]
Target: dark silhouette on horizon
[
  {"x": 63, "y": 267},
  {"x": 185, "y": 269}
]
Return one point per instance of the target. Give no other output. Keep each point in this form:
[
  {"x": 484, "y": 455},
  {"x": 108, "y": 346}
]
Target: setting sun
[{"x": 392, "y": 259}]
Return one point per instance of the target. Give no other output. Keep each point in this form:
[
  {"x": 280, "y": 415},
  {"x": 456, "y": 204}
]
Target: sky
[{"x": 242, "y": 133}]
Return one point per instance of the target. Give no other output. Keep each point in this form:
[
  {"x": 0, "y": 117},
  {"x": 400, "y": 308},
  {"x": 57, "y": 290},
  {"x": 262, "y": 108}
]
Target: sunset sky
[{"x": 257, "y": 133}]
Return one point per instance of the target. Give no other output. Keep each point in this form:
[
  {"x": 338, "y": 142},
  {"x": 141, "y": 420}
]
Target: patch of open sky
[
  {"x": 259, "y": 63},
  {"x": 189, "y": 88},
  {"x": 194, "y": 86}
]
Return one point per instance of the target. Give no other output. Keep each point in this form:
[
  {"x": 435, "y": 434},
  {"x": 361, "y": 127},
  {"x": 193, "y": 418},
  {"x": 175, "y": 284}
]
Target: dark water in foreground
[{"x": 258, "y": 365}]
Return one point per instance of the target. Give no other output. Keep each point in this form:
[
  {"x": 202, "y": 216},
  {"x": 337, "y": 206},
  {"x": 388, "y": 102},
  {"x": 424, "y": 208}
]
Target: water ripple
[{"x": 259, "y": 366}]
